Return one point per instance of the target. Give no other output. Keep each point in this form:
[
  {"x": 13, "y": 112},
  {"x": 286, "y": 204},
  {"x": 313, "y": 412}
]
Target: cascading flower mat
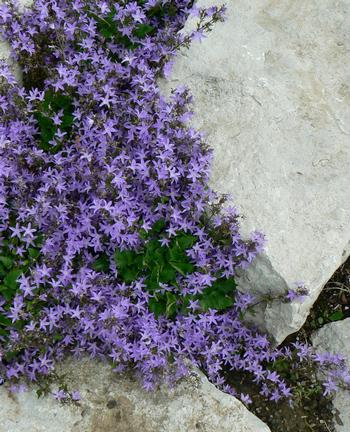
[{"x": 112, "y": 242}]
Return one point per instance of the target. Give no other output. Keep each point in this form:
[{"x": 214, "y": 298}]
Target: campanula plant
[{"x": 125, "y": 253}]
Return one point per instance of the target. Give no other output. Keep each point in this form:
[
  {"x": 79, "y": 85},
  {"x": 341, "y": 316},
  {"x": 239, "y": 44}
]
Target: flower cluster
[
  {"x": 299, "y": 293},
  {"x": 92, "y": 160}
]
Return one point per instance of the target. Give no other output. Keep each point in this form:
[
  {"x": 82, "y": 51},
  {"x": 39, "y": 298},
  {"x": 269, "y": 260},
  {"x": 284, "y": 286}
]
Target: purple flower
[
  {"x": 246, "y": 399},
  {"x": 299, "y": 293},
  {"x": 76, "y": 396},
  {"x": 60, "y": 395}
]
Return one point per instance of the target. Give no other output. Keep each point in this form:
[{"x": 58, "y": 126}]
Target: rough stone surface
[
  {"x": 117, "y": 404},
  {"x": 271, "y": 88},
  {"x": 335, "y": 338},
  {"x": 4, "y": 48}
]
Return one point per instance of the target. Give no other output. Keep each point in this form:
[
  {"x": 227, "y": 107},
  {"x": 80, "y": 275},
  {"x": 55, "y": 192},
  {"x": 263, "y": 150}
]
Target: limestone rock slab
[
  {"x": 4, "y": 47},
  {"x": 113, "y": 403},
  {"x": 335, "y": 338},
  {"x": 271, "y": 87}
]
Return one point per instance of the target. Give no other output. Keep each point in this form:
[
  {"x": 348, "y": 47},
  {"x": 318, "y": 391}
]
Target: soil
[{"x": 312, "y": 412}]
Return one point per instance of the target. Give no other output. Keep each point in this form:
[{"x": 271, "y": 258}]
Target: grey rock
[
  {"x": 113, "y": 403},
  {"x": 335, "y": 338},
  {"x": 4, "y": 47},
  {"x": 271, "y": 93}
]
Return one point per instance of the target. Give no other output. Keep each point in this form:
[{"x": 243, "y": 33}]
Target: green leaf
[
  {"x": 129, "y": 274},
  {"x": 33, "y": 253},
  {"x": 336, "y": 316},
  {"x": 143, "y": 234},
  {"x": 6, "y": 292},
  {"x": 67, "y": 122},
  {"x": 155, "y": 254},
  {"x": 101, "y": 264},
  {"x": 129, "y": 264},
  {"x": 151, "y": 246},
  {"x": 186, "y": 241},
  {"x": 171, "y": 304},
  {"x": 185, "y": 303},
  {"x": 280, "y": 365},
  {"x": 39, "y": 240},
  {"x": 107, "y": 31},
  {"x": 241, "y": 315},
  {"x": 3, "y": 332},
  {"x": 167, "y": 275},
  {"x": 10, "y": 355},
  {"x": 3, "y": 271},
  {"x": 47, "y": 129},
  {"x": 160, "y": 11},
  {"x": 152, "y": 284},
  {"x": 107, "y": 27},
  {"x": 177, "y": 254},
  {"x": 4, "y": 321},
  {"x": 219, "y": 295},
  {"x": 6, "y": 261},
  {"x": 158, "y": 306},
  {"x": 61, "y": 101},
  {"x": 143, "y": 30},
  {"x": 165, "y": 199},
  {"x": 139, "y": 261},
  {"x": 11, "y": 279},
  {"x": 124, "y": 258},
  {"x": 154, "y": 273},
  {"x": 182, "y": 267},
  {"x": 52, "y": 104},
  {"x": 19, "y": 325},
  {"x": 224, "y": 285},
  {"x": 158, "y": 226},
  {"x": 214, "y": 300}
]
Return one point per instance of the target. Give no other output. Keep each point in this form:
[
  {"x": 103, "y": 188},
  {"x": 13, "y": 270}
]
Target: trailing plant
[
  {"x": 19, "y": 253},
  {"x": 164, "y": 263},
  {"x": 138, "y": 256},
  {"x": 55, "y": 109}
]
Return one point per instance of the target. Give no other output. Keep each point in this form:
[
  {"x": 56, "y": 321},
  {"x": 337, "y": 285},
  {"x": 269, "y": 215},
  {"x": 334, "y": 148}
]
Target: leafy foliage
[
  {"x": 160, "y": 265},
  {"x": 219, "y": 296},
  {"x": 108, "y": 28},
  {"x": 12, "y": 266},
  {"x": 53, "y": 104},
  {"x": 101, "y": 264}
]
